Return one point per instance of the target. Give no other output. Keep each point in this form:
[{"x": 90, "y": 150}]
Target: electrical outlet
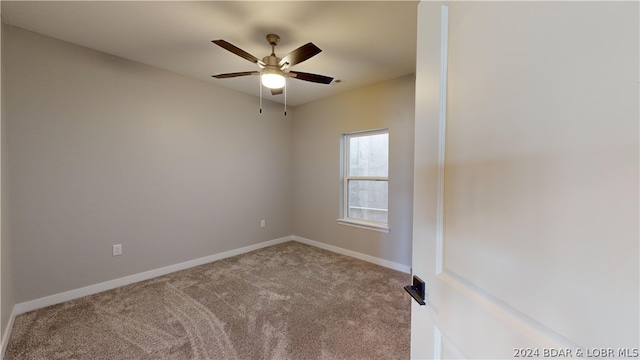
[
  {"x": 263, "y": 223},
  {"x": 117, "y": 249}
]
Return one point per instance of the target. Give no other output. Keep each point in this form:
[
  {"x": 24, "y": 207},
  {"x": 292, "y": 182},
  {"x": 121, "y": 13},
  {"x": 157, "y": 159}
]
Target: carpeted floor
[{"x": 288, "y": 301}]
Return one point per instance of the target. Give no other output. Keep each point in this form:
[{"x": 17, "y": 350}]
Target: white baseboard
[
  {"x": 368, "y": 258},
  {"x": 6, "y": 332},
  {"x": 112, "y": 284}
]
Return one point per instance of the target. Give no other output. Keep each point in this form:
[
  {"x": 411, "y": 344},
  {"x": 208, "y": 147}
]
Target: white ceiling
[{"x": 363, "y": 42}]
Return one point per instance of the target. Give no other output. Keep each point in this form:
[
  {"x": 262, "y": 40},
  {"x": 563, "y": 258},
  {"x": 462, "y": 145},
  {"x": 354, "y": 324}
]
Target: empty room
[{"x": 319, "y": 180}]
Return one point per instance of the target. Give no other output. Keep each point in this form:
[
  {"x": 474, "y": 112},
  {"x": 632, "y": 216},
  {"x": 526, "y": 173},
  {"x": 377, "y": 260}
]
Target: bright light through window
[{"x": 366, "y": 177}]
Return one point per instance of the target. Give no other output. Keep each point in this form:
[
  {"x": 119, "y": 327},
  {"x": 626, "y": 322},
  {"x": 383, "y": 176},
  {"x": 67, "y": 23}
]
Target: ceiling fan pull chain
[
  {"x": 260, "y": 84},
  {"x": 285, "y": 96}
]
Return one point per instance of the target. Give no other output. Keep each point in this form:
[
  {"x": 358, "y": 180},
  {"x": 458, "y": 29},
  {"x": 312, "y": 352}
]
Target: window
[{"x": 365, "y": 192}]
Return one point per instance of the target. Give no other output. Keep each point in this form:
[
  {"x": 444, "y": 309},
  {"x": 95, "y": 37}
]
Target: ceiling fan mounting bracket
[{"x": 273, "y": 39}]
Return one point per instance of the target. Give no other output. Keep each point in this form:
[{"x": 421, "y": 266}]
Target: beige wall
[
  {"x": 104, "y": 151},
  {"x": 316, "y": 159}
]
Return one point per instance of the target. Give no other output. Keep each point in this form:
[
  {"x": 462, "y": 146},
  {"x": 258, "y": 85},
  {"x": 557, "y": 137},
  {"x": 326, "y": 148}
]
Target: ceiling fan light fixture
[{"x": 273, "y": 80}]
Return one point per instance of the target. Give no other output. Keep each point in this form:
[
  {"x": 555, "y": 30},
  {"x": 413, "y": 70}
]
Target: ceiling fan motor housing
[{"x": 271, "y": 61}]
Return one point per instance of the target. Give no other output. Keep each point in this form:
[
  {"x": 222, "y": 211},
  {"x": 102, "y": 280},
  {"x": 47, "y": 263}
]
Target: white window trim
[
  {"x": 364, "y": 224},
  {"x": 344, "y": 220}
]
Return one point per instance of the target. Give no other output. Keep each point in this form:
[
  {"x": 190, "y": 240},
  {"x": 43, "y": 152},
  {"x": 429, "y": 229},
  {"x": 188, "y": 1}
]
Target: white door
[{"x": 526, "y": 180}]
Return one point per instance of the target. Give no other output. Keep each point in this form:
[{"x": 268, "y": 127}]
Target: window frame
[{"x": 345, "y": 178}]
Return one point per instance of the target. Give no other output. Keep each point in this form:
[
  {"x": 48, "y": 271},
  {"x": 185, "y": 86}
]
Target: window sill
[{"x": 365, "y": 225}]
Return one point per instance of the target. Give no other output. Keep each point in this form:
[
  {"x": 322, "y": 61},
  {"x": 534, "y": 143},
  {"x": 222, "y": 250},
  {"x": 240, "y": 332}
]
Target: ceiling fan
[{"x": 274, "y": 70}]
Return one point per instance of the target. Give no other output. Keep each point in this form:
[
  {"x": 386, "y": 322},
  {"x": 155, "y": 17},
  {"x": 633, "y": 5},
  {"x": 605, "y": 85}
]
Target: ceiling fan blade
[
  {"x": 304, "y": 52},
  {"x": 235, "y": 74},
  {"x": 276, "y": 91},
  {"x": 236, "y": 50},
  {"x": 312, "y": 77}
]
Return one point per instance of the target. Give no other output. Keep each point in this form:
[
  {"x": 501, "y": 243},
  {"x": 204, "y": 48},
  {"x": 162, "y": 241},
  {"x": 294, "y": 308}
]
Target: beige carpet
[{"x": 288, "y": 301}]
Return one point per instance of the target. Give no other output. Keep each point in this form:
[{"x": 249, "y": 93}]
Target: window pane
[
  {"x": 368, "y": 200},
  {"x": 369, "y": 155}
]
